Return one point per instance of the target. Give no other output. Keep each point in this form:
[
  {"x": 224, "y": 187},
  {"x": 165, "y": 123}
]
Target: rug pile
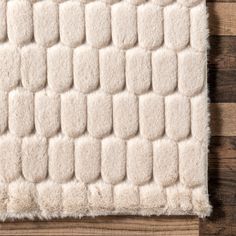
[{"x": 103, "y": 108}]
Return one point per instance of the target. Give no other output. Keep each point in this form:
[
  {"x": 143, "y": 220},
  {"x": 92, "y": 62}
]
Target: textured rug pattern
[{"x": 103, "y": 108}]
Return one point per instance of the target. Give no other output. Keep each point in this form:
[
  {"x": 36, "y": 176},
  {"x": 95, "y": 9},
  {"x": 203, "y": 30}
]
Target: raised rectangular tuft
[
  {"x": 3, "y": 111},
  {"x": 34, "y": 158},
  {"x": 3, "y": 21},
  {"x": 138, "y": 71},
  {"x": 150, "y": 27},
  {"x": 47, "y": 114},
  {"x": 46, "y": 32},
  {"x": 9, "y": 66},
  {"x": 33, "y": 67},
  {"x": 21, "y": 112},
  {"x": 86, "y": 69},
  {"x": 18, "y": 12},
  {"x": 87, "y": 159},
  {"x": 73, "y": 123},
  {"x": 61, "y": 159},
  {"x": 98, "y": 30},
  {"x": 10, "y": 155},
  {"x": 72, "y": 23},
  {"x": 112, "y": 69},
  {"x": 103, "y": 108},
  {"x": 59, "y": 68},
  {"x": 124, "y": 25}
]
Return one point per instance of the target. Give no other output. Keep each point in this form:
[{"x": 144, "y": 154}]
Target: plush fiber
[{"x": 103, "y": 108}]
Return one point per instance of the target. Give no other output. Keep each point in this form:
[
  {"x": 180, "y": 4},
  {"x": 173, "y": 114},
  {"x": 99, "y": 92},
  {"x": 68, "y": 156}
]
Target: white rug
[{"x": 103, "y": 108}]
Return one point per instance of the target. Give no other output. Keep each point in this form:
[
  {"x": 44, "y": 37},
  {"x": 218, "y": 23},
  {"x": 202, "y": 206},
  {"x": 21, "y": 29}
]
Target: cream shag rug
[{"x": 103, "y": 108}]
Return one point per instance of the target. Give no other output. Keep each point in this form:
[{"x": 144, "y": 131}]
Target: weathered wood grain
[
  {"x": 223, "y": 119},
  {"x": 222, "y": 69},
  {"x": 222, "y": 222},
  {"x": 222, "y": 18},
  {"x": 222, "y": 171},
  {"x": 222, "y": 53},
  {"x": 116, "y": 225},
  {"x": 222, "y": 188},
  {"x": 222, "y": 86}
]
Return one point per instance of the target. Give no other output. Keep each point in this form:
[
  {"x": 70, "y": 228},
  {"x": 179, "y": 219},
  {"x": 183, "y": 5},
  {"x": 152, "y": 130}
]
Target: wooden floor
[
  {"x": 222, "y": 158},
  {"x": 222, "y": 85}
]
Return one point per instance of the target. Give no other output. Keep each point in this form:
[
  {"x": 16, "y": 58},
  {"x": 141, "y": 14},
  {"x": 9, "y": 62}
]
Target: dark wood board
[
  {"x": 221, "y": 223},
  {"x": 222, "y": 86},
  {"x": 222, "y": 170},
  {"x": 222, "y": 53}
]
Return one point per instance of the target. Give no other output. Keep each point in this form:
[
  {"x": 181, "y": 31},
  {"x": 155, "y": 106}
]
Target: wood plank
[
  {"x": 223, "y": 119},
  {"x": 222, "y": 69},
  {"x": 222, "y": 222},
  {"x": 222, "y": 53},
  {"x": 222, "y": 18},
  {"x": 222, "y": 86},
  {"x": 222, "y": 171},
  {"x": 222, "y": 185},
  {"x": 110, "y": 225}
]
